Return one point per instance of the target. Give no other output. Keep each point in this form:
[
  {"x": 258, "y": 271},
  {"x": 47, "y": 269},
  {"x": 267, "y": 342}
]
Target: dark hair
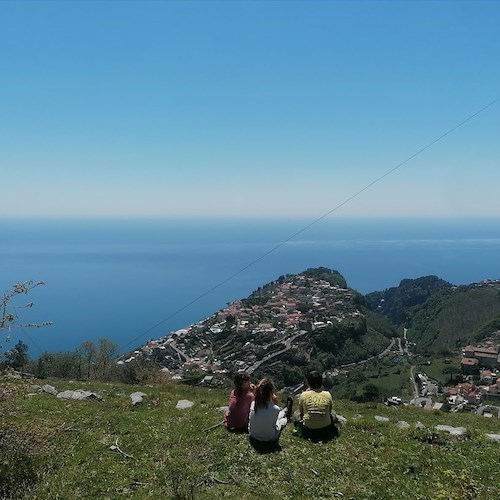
[
  {"x": 315, "y": 380},
  {"x": 263, "y": 393},
  {"x": 239, "y": 379}
]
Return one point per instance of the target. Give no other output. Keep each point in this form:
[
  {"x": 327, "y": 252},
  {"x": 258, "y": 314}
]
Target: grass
[
  {"x": 175, "y": 457},
  {"x": 435, "y": 369}
]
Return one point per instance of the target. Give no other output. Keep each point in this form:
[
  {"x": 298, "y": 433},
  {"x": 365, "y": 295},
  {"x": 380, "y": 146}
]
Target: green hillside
[
  {"x": 109, "y": 449},
  {"x": 400, "y": 302},
  {"x": 456, "y": 318}
]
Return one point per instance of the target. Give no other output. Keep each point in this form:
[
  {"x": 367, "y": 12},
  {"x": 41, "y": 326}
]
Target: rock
[
  {"x": 493, "y": 437},
  {"x": 378, "y": 418},
  {"x": 78, "y": 394},
  {"x": 454, "y": 431},
  {"x": 402, "y": 424},
  {"x": 49, "y": 390},
  {"x": 183, "y": 404},
  {"x": 137, "y": 397},
  {"x": 341, "y": 420},
  {"x": 358, "y": 416},
  {"x": 420, "y": 426},
  {"x": 223, "y": 409}
]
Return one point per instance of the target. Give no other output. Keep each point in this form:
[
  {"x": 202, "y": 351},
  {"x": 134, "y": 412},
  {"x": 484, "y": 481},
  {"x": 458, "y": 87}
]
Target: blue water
[{"x": 119, "y": 279}]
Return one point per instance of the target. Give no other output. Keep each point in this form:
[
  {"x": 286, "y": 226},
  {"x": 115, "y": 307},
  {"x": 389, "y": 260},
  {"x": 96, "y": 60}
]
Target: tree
[
  {"x": 106, "y": 354},
  {"x": 18, "y": 356},
  {"x": 97, "y": 358},
  {"x": 87, "y": 352},
  {"x": 450, "y": 370},
  {"x": 8, "y": 316},
  {"x": 371, "y": 392}
]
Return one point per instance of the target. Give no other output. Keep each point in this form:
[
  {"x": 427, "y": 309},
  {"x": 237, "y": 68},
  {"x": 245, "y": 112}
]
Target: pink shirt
[{"x": 239, "y": 408}]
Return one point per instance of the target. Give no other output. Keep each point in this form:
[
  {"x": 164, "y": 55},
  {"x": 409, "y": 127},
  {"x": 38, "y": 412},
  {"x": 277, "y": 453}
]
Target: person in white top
[{"x": 267, "y": 419}]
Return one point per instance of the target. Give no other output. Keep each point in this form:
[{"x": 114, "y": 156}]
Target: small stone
[
  {"x": 137, "y": 397},
  {"x": 378, "y": 418},
  {"x": 223, "y": 409},
  {"x": 49, "y": 389},
  {"x": 420, "y": 426},
  {"x": 402, "y": 424},
  {"x": 183, "y": 404},
  {"x": 454, "y": 431},
  {"x": 493, "y": 437},
  {"x": 341, "y": 420}
]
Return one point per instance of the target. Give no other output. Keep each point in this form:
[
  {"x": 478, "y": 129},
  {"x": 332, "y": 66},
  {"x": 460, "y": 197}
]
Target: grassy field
[
  {"x": 66, "y": 450},
  {"x": 435, "y": 369}
]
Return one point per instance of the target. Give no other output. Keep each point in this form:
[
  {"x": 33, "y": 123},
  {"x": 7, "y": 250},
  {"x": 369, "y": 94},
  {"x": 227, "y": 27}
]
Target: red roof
[{"x": 469, "y": 361}]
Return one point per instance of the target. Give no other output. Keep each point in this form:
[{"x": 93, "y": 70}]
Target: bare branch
[{"x": 117, "y": 448}]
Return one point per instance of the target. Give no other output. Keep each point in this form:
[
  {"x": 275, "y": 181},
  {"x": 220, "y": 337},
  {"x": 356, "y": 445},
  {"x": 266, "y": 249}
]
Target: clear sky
[{"x": 248, "y": 108}]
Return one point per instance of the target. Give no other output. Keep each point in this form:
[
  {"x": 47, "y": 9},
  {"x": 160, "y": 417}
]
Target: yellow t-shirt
[{"x": 315, "y": 407}]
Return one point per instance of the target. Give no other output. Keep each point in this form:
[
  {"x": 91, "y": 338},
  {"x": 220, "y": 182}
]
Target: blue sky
[{"x": 248, "y": 108}]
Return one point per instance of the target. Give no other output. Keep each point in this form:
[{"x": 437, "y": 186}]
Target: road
[
  {"x": 288, "y": 345},
  {"x": 412, "y": 379},
  {"x": 381, "y": 355}
]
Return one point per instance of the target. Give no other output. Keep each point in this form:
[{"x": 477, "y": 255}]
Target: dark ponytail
[{"x": 263, "y": 393}]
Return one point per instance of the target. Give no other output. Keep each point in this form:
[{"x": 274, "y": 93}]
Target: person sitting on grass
[
  {"x": 267, "y": 419},
  {"x": 317, "y": 418},
  {"x": 240, "y": 399}
]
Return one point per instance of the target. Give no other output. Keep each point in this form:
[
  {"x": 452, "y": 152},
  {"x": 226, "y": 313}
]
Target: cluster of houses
[
  {"x": 475, "y": 357},
  {"x": 238, "y": 336},
  {"x": 479, "y": 364}
]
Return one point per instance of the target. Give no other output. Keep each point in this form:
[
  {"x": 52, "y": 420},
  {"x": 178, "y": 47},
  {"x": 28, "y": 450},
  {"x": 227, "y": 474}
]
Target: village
[
  {"x": 252, "y": 331},
  {"x": 257, "y": 330}
]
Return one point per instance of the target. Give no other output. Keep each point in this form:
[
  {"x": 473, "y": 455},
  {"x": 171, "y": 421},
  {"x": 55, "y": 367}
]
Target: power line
[{"x": 315, "y": 221}]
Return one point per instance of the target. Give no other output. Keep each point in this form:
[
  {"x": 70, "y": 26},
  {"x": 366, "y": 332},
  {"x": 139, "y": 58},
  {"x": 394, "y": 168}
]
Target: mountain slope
[
  {"x": 455, "y": 318},
  {"x": 311, "y": 319},
  {"x": 399, "y": 303}
]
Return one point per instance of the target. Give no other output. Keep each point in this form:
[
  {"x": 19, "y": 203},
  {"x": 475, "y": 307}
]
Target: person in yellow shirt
[{"x": 317, "y": 417}]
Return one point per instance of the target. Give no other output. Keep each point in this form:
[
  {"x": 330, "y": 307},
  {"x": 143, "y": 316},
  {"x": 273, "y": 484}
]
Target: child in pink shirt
[{"x": 240, "y": 399}]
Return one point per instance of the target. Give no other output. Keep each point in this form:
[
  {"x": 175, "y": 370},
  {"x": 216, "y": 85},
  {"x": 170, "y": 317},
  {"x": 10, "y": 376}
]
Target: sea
[{"x": 137, "y": 279}]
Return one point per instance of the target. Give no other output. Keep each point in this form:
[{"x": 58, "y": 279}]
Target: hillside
[
  {"x": 54, "y": 448},
  {"x": 311, "y": 319},
  {"x": 399, "y": 303},
  {"x": 457, "y": 317}
]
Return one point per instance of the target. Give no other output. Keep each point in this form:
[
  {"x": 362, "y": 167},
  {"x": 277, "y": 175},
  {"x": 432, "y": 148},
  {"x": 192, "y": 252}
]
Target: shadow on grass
[{"x": 264, "y": 447}]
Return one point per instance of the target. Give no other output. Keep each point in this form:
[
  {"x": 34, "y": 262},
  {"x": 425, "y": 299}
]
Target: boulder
[
  {"x": 454, "y": 431},
  {"x": 378, "y": 418},
  {"x": 137, "y": 397},
  {"x": 49, "y": 389},
  {"x": 183, "y": 404},
  {"x": 79, "y": 394},
  {"x": 402, "y": 424},
  {"x": 493, "y": 437},
  {"x": 341, "y": 420}
]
